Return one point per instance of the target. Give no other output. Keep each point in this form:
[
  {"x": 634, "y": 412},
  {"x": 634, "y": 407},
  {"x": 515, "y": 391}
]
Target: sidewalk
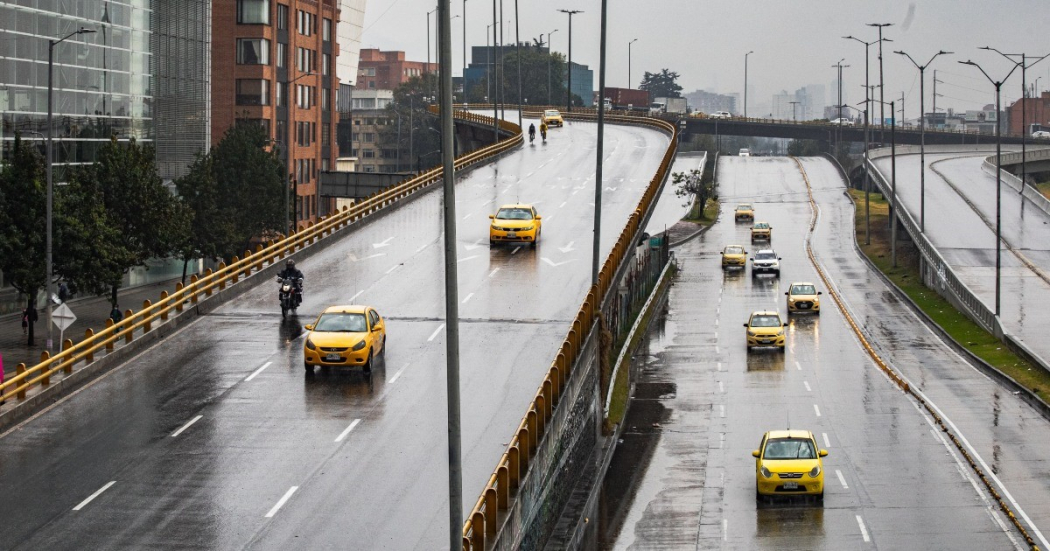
[{"x": 92, "y": 312}]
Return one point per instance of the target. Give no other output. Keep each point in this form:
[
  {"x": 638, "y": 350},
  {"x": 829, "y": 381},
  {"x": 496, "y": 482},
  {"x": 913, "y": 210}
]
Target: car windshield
[
  {"x": 765, "y": 321},
  {"x": 790, "y": 448},
  {"x": 551, "y": 113},
  {"x": 803, "y": 290},
  {"x": 341, "y": 323},
  {"x": 761, "y": 226},
  {"x": 514, "y": 214},
  {"x": 734, "y": 250},
  {"x": 743, "y": 207},
  {"x": 766, "y": 256}
]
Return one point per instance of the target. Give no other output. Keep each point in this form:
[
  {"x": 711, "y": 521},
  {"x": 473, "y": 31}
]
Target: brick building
[
  {"x": 378, "y": 70},
  {"x": 1036, "y": 111},
  {"x": 273, "y": 63}
]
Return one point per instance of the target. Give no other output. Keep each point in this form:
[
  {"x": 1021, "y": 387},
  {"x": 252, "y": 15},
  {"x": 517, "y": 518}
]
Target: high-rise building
[
  {"x": 582, "y": 83},
  {"x": 143, "y": 73},
  {"x": 379, "y": 70},
  {"x": 709, "y": 102}
]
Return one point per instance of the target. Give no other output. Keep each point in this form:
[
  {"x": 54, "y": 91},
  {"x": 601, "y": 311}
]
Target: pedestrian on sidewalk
[
  {"x": 25, "y": 321},
  {"x": 116, "y": 315},
  {"x": 63, "y": 291}
]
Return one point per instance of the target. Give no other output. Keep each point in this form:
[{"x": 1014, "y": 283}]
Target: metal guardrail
[
  {"x": 203, "y": 287},
  {"x": 513, "y": 465}
]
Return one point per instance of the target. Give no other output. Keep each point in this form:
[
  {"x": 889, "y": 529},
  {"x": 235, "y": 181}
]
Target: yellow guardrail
[
  {"x": 84, "y": 351},
  {"x": 513, "y": 464}
]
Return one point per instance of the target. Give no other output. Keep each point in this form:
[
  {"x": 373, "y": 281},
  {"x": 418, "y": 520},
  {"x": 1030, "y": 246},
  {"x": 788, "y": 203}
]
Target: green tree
[
  {"x": 419, "y": 139},
  {"x": 806, "y": 148},
  {"x": 536, "y": 66},
  {"x": 23, "y": 211},
  {"x": 697, "y": 186},
  {"x": 661, "y": 85}
]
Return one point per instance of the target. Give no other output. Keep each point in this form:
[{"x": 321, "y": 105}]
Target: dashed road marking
[
  {"x": 464, "y": 259},
  {"x": 357, "y": 294},
  {"x": 721, "y": 410},
  {"x": 257, "y": 372},
  {"x": 392, "y": 268},
  {"x": 186, "y": 426},
  {"x": 798, "y": 366},
  {"x": 91, "y": 497},
  {"x": 284, "y": 499},
  {"x": 398, "y": 374},
  {"x": 348, "y": 429},
  {"x": 725, "y": 529},
  {"x": 493, "y": 272},
  {"x": 807, "y": 386},
  {"x": 816, "y": 409},
  {"x": 468, "y": 298},
  {"x": 721, "y": 388},
  {"x": 842, "y": 479},
  {"x": 827, "y": 443},
  {"x": 721, "y": 440},
  {"x": 435, "y": 333},
  {"x": 563, "y": 204},
  {"x": 720, "y": 366},
  {"x": 863, "y": 530},
  {"x": 515, "y": 251}
]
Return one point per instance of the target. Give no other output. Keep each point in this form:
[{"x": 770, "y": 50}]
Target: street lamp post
[
  {"x": 922, "y": 132},
  {"x": 50, "y": 181},
  {"x": 867, "y": 106},
  {"x": 838, "y": 130},
  {"x": 568, "y": 66},
  {"x": 600, "y": 146},
  {"x": 998, "y": 178},
  {"x": 893, "y": 181},
  {"x": 488, "y": 65},
  {"x": 745, "y": 85},
  {"x": 882, "y": 96},
  {"x": 549, "y": 66},
  {"x": 628, "y": 64},
  {"x": 517, "y": 54}
]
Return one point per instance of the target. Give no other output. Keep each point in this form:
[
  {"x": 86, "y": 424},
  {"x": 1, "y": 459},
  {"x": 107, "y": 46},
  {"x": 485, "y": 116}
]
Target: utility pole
[
  {"x": 550, "y": 53},
  {"x": 882, "y": 87},
  {"x": 745, "y": 86},
  {"x": 922, "y": 131},
  {"x": 517, "y": 54},
  {"x": 568, "y": 67},
  {"x": 495, "y": 76},
  {"x": 628, "y": 64},
  {"x": 600, "y": 149}
]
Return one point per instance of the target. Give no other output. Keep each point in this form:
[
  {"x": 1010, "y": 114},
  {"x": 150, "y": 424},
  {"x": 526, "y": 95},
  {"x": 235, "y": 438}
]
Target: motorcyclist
[
  {"x": 532, "y": 132},
  {"x": 543, "y": 130},
  {"x": 293, "y": 273}
]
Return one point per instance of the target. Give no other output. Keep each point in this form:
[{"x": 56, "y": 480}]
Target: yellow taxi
[
  {"x": 788, "y": 462},
  {"x": 518, "y": 223},
  {"x": 552, "y": 117},
  {"x": 765, "y": 329},
  {"x": 346, "y": 336},
  {"x": 803, "y": 297},
  {"x": 761, "y": 231},
  {"x": 734, "y": 256},
  {"x": 744, "y": 212}
]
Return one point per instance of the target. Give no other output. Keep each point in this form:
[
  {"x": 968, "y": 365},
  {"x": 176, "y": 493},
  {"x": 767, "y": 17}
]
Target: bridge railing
[
  {"x": 200, "y": 288},
  {"x": 482, "y": 524}
]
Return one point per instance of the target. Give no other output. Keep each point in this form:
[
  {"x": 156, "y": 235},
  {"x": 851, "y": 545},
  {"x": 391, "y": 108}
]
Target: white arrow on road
[
  {"x": 353, "y": 257},
  {"x": 556, "y": 264},
  {"x": 610, "y": 189},
  {"x": 385, "y": 243},
  {"x": 473, "y": 245},
  {"x": 567, "y": 248}
]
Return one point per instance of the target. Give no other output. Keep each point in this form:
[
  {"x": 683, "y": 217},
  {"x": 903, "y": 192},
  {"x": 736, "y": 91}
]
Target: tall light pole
[
  {"x": 464, "y": 50},
  {"x": 882, "y": 95},
  {"x": 745, "y": 86},
  {"x": 488, "y": 65},
  {"x": 50, "y": 160},
  {"x": 628, "y": 64},
  {"x": 998, "y": 176},
  {"x": 838, "y": 129},
  {"x": 549, "y": 55},
  {"x": 867, "y": 106},
  {"x": 600, "y": 146},
  {"x": 495, "y": 76},
  {"x": 922, "y": 132},
  {"x": 568, "y": 67},
  {"x": 428, "y": 39},
  {"x": 517, "y": 54},
  {"x": 793, "y": 104}
]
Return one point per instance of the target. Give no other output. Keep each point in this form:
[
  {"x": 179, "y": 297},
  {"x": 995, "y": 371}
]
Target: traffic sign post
[{"x": 62, "y": 317}]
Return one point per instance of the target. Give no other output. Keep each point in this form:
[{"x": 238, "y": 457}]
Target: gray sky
[{"x": 795, "y": 42}]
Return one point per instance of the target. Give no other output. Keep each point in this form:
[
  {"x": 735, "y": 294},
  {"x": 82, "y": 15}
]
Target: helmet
[{"x": 290, "y": 263}]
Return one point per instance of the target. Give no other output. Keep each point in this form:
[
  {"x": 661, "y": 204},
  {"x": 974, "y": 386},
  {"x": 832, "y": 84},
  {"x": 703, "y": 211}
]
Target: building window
[
  {"x": 279, "y": 134},
  {"x": 324, "y": 100},
  {"x": 369, "y": 153},
  {"x": 253, "y": 51},
  {"x": 305, "y": 60},
  {"x": 372, "y": 84},
  {"x": 326, "y": 29},
  {"x": 280, "y": 55},
  {"x": 325, "y": 60},
  {"x": 306, "y": 23},
  {"x": 278, "y": 94},
  {"x": 324, "y": 165},
  {"x": 326, "y": 131},
  {"x": 253, "y": 92},
  {"x": 253, "y": 12},
  {"x": 368, "y": 137},
  {"x": 282, "y": 16}
]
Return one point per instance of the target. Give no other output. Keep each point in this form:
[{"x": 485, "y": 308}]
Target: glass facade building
[{"x": 143, "y": 74}]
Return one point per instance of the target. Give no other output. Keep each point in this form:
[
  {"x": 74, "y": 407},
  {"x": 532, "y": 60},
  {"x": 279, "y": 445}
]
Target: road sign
[{"x": 63, "y": 317}]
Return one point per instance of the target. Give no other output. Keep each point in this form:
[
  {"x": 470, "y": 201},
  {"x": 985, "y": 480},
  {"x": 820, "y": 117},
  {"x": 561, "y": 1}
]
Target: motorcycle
[{"x": 290, "y": 295}]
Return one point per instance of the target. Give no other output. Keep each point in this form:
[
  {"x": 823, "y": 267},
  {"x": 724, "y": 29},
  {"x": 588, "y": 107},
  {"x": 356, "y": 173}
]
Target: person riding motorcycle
[
  {"x": 293, "y": 273},
  {"x": 532, "y": 132},
  {"x": 543, "y": 130}
]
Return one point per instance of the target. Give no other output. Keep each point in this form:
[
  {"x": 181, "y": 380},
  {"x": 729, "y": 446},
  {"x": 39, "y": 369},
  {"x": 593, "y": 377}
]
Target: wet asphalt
[
  {"x": 683, "y": 477},
  {"x": 216, "y": 439}
]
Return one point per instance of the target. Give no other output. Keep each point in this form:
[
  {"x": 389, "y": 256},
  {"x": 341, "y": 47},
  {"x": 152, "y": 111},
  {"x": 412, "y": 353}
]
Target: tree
[
  {"x": 661, "y": 85},
  {"x": 536, "y": 66},
  {"x": 696, "y": 185},
  {"x": 806, "y": 148},
  {"x": 23, "y": 216},
  {"x": 420, "y": 140},
  {"x": 232, "y": 194}
]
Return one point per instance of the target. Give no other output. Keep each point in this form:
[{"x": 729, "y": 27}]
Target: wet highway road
[
  {"x": 215, "y": 439},
  {"x": 892, "y": 480},
  {"x": 960, "y": 221}
]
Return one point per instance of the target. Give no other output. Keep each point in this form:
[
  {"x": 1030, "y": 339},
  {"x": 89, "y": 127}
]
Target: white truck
[{"x": 674, "y": 106}]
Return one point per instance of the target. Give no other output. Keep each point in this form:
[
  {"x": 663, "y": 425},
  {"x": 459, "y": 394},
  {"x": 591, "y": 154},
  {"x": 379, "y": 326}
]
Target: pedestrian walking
[
  {"x": 63, "y": 291},
  {"x": 25, "y": 321},
  {"x": 116, "y": 315}
]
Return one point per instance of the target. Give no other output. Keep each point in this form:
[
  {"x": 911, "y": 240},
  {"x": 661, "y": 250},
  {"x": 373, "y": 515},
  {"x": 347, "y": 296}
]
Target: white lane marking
[
  {"x": 257, "y": 371},
  {"x": 186, "y": 426},
  {"x": 347, "y": 430},
  {"x": 515, "y": 251},
  {"x": 842, "y": 479},
  {"x": 807, "y": 386},
  {"x": 381, "y": 244},
  {"x": 798, "y": 366},
  {"x": 720, "y": 366},
  {"x": 568, "y": 248},
  {"x": 556, "y": 264},
  {"x": 863, "y": 530},
  {"x": 725, "y": 529},
  {"x": 716, "y": 322},
  {"x": 816, "y": 409},
  {"x": 357, "y": 294},
  {"x": 94, "y": 495},
  {"x": 468, "y": 215},
  {"x": 392, "y": 268},
  {"x": 473, "y": 245},
  {"x": 420, "y": 249},
  {"x": 282, "y": 501},
  {"x": 721, "y": 388},
  {"x": 464, "y": 259},
  {"x": 721, "y": 410},
  {"x": 717, "y": 350},
  {"x": 468, "y": 298},
  {"x": 827, "y": 443},
  {"x": 493, "y": 272},
  {"x": 436, "y": 331},
  {"x": 563, "y": 204},
  {"x": 548, "y": 218},
  {"x": 721, "y": 441},
  {"x": 356, "y": 259},
  {"x": 398, "y": 374}
]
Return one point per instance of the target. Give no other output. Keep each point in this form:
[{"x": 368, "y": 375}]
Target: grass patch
[
  {"x": 1044, "y": 188},
  {"x": 906, "y": 276},
  {"x": 707, "y": 217}
]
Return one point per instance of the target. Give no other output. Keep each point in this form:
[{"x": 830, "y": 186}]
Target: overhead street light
[
  {"x": 893, "y": 182},
  {"x": 922, "y": 132},
  {"x": 628, "y": 64},
  {"x": 568, "y": 67},
  {"x": 998, "y": 177},
  {"x": 549, "y": 53},
  {"x": 603, "y": 24},
  {"x": 50, "y": 181},
  {"x": 882, "y": 96},
  {"x": 745, "y": 84}
]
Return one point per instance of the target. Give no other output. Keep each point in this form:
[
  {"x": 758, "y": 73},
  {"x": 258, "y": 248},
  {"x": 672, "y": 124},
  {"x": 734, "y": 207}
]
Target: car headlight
[
  {"x": 528, "y": 228},
  {"x": 791, "y": 300},
  {"x": 359, "y": 345},
  {"x": 751, "y": 333},
  {"x": 780, "y": 333},
  {"x": 310, "y": 345},
  {"x": 765, "y": 472},
  {"x": 815, "y": 472}
]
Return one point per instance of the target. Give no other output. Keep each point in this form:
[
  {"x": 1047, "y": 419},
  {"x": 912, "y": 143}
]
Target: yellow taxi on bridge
[
  {"x": 346, "y": 336},
  {"x": 761, "y": 231},
  {"x": 788, "y": 462},
  {"x": 517, "y": 223},
  {"x": 734, "y": 256},
  {"x": 803, "y": 297},
  {"x": 765, "y": 328},
  {"x": 744, "y": 211},
  {"x": 552, "y": 117}
]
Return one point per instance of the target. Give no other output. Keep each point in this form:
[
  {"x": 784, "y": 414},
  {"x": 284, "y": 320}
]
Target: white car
[
  {"x": 1041, "y": 134},
  {"x": 765, "y": 261},
  {"x": 745, "y": 152},
  {"x": 842, "y": 122},
  {"x": 720, "y": 115}
]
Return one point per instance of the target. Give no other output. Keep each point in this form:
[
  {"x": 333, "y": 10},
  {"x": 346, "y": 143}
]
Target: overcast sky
[{"x": 796, "y": 42}]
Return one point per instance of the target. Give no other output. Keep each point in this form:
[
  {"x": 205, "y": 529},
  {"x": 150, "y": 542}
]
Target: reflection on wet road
[{"x": 684, "y": 477}]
